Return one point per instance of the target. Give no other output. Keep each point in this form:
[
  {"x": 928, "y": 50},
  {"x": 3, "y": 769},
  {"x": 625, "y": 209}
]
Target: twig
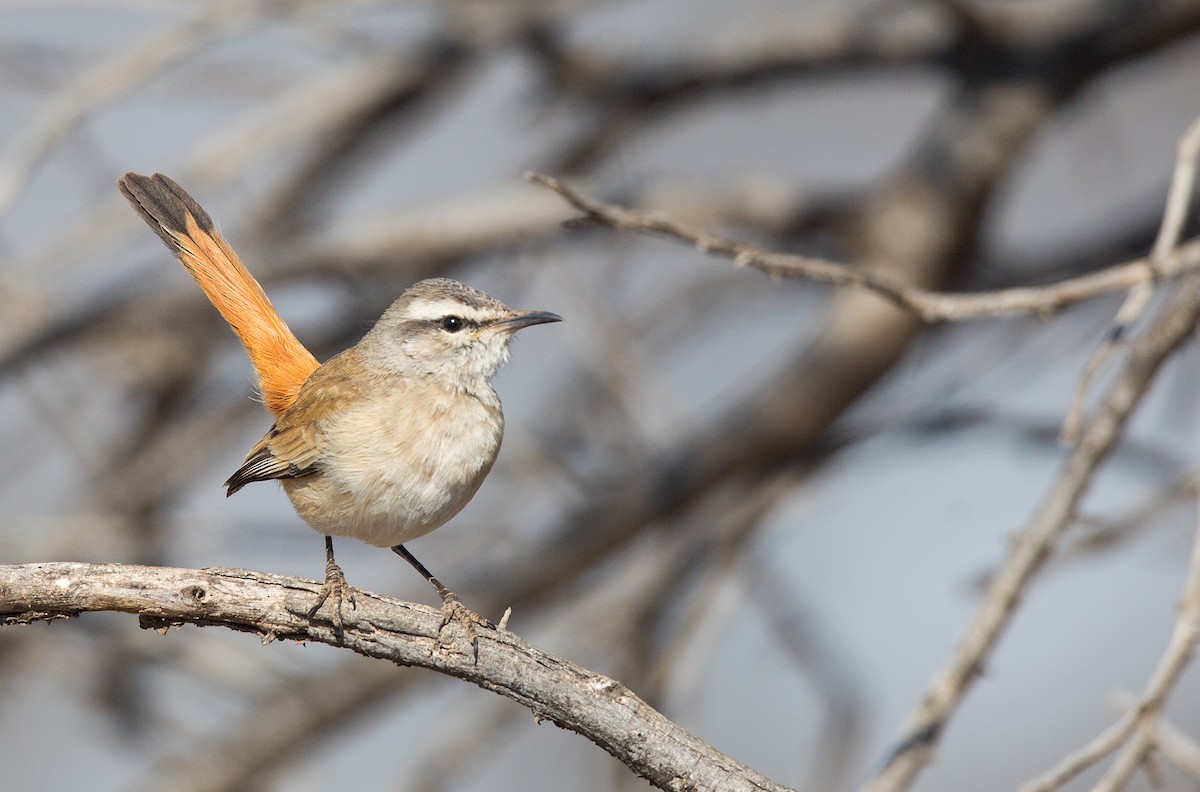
[
  {"x": 1175, "y": 746},
  {"x": 1143, "y": 721},
  {"x": 1171, "y": 665},
  {"x": 1032, "y": 545},
  {"x": 1075, "y": 763},
  {"x": 275, "y": 607},
  {"x": 930, "y": 306},
  {"x": 1179, "y": 198},
  {"x": 1102, "y": 535},
  {"x": 1181, "y": 750},
  {"x": 1069, "y": 432}
]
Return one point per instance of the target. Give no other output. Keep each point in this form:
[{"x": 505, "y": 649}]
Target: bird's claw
[
  {"x": 454, "y": 610},
  {"x": 337, "y": 592}
]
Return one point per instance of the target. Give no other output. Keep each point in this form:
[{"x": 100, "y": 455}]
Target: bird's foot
[
  {"x": 337, "y": 592},
  {"x": 454, "y": 610}
]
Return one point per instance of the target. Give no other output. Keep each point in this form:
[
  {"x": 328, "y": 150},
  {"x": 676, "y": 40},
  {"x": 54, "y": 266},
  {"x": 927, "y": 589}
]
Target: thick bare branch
[{"x": 275, "y": 607}]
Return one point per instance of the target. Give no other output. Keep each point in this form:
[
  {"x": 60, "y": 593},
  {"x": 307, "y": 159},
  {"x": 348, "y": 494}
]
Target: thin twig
[
  {"x": 930, "y": 306},
  {"x": 1179, "y": 198},
  {"x": 1076, "y": 762},
  {"x": 1143, "y": 721},
  {"x": 1171, "y": 665},
  {"x": 1180, "y": 749},
  {"x": 1100, "y": 535}
]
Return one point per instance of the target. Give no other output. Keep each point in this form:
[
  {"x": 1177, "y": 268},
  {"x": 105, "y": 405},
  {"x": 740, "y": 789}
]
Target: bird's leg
[
  {"x": 335, "y": 589},
  {"x": 452, "y": 607}
]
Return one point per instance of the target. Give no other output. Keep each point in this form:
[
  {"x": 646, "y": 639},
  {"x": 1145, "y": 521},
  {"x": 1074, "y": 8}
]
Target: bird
[{"x": 383, "y": 442}]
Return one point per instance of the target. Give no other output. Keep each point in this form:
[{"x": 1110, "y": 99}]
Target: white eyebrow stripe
[{"x": 436, "y": 309}]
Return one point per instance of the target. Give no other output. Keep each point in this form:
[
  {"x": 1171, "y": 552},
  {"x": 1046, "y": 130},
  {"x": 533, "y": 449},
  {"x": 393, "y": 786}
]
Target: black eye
[{"x": 452, "y": 324}]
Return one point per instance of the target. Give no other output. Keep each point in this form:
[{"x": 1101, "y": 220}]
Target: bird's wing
[
  {"x": 281, "y": 363},
  {"x": 288, "y": 452},
  {"x": 293, "y": 446}
]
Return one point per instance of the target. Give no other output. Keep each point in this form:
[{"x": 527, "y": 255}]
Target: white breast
[{"x": 398, "y": 466}]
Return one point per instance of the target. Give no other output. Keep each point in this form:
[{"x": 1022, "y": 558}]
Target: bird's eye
[{"x": 452, "y": 324}]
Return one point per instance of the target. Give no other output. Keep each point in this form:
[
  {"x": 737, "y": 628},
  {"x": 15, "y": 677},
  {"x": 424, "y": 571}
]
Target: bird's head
[{"x": 440, "y": 327}]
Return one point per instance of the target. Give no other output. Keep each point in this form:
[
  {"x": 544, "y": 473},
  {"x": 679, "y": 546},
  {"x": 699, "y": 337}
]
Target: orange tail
[{"x": 280, "y": 360}]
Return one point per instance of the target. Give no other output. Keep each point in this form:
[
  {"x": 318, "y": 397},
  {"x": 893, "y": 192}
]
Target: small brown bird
[{"x": 383, "y": 442}]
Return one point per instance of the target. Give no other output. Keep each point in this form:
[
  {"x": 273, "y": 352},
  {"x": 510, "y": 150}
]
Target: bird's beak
[{"x": 516, "y": 320}]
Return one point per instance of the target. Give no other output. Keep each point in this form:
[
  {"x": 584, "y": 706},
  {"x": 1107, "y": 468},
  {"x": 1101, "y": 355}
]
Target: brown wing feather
[
  {"x": 290, "y": 452},
  {"x": 280, "y": 361},
  {"x": 293, "y": 446}
]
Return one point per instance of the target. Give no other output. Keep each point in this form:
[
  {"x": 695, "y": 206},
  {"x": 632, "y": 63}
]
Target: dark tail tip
[{"x": 163, "y": 204}]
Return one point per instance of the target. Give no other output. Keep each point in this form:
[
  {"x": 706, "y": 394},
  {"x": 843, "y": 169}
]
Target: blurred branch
[
  {"x": 1138, "y": 730},
  {"x": 1180, "y": 749},
  {"x": 477, "y": 733},
  {"x": 313, "y": 110},
  {"x": 624, "y": 95},
  {"x": 426, "y": 239},
  {"x": 1031, "y": 547},
  {"x": 930, "y": 306},
  {"x": 1102, "y": 535},
  {"x": 347, "y": 141},
  {"x": 1179, "y": 199},
  {"x": 1061, "y": 46},
  {"x": 275, "y": 607},
  {"x": 283, "y": 720},
  {"x": 70, "y": 105},
  {"x": 713, "y": 541},
  {"x": 832, "y": 675}
]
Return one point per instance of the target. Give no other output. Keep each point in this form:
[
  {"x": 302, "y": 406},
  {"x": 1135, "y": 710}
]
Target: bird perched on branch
[{"x": 383, "y": 442}]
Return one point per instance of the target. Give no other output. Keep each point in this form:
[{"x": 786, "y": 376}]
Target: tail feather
[{"x": 280, "y": 361}]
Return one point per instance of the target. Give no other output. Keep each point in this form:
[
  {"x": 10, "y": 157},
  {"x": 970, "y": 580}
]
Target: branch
[
  {"x": 68, "y": 107},
  {"x": 1179, "y": 199},
  {"x": 928, "y": 305},
  {"x": 275, "y": 607},
  {"x": 1033, "y": 544},
  {"x": 1139, "y": 728}
]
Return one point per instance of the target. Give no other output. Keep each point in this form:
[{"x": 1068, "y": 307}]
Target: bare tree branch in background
[
  {"x": 1139, "y": 730},
  {"x": 929, "y": 306},
  {"x": 1174, "y": 326},
  {"x": 627, "y": 497},
  {"x": 67, "y": 109},
  {"x": 1034, "y": 543}
]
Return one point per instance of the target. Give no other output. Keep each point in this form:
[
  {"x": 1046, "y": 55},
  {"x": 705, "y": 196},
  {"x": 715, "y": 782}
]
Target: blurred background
[{"x": 767, "y": 506}]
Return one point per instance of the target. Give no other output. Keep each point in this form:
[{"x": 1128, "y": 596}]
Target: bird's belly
[{"x": 386, "y": 481}]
